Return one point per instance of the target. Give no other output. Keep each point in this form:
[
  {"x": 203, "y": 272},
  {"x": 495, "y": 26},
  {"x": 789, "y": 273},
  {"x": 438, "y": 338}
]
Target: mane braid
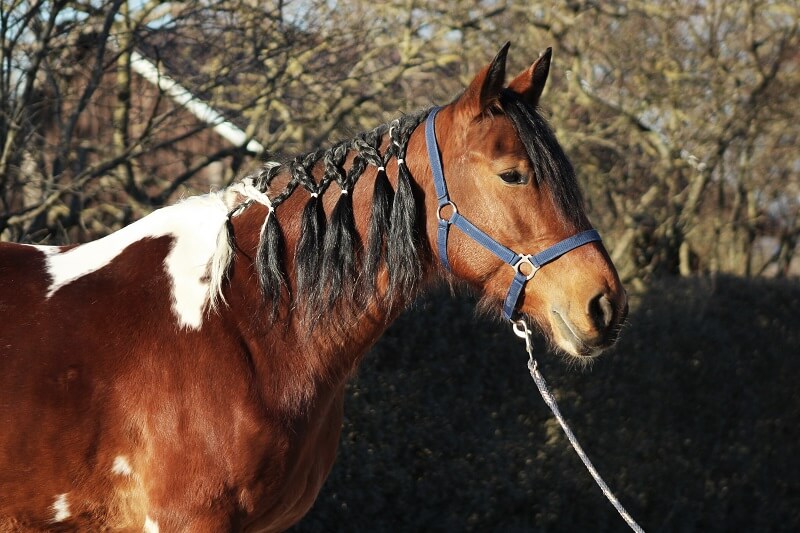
[
  {"x": 337, "y": 262},
  {"x": 270, "y": 251},
  {"x": 269, "y": 262},
  {"x": 405, "y": 270},
  {"x": 327, "y": 251},
  {"x": 339, "y": 250},
  {"x": 380, "y": 218},
  {"x": 307, "y": 258}
]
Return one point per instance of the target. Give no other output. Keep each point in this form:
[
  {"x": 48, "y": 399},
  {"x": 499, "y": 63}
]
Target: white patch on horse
[
  {"x": 121, "y": 466},
  {"x": 197, "y": 262},
  {"x": 150, "y": 525},
  {"x": 60, "y": 508},
  {"x": 194, "y": 224},
  {"x": 192, "y": 253}
]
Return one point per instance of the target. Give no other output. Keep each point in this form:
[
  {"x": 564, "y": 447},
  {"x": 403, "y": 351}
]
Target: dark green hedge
[{"x": 693, "y": 420}]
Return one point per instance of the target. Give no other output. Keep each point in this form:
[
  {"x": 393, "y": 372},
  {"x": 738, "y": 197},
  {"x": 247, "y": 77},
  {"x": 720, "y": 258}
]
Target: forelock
[{"x": 550, "y": 164}]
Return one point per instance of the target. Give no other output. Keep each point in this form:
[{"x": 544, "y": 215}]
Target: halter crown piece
[{"x": 515, "y": 260}]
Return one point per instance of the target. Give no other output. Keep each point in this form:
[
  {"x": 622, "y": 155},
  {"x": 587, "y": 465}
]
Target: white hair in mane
[{"x": 234, "y": 197}]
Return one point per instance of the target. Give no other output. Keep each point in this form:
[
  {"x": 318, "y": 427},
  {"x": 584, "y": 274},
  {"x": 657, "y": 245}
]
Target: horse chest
[
  {"x": 293, "y": 473},
  {"x": 251, "y": 472}
]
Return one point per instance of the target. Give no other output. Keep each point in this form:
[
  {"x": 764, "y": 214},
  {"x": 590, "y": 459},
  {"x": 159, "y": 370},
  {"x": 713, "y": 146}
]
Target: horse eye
[{"x": 512, "y": 176}]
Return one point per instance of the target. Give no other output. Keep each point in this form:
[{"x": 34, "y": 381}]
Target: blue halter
[{"x": 517, "y": 261}]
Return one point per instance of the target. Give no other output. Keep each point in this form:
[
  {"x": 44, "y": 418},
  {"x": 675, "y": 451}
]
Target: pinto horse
[{"x": 187, "y": 372}]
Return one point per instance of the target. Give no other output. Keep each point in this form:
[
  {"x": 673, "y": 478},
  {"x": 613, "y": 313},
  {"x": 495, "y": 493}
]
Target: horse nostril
[{"x": 601, "y": 311}]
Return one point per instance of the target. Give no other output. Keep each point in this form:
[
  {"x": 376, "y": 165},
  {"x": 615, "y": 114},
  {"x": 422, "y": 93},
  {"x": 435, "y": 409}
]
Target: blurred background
[{"x": 681, "y": 119}]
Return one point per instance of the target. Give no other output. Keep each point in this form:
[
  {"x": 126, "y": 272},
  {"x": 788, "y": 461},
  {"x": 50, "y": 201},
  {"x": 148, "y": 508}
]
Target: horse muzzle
[{"x": 593, "y": 329}]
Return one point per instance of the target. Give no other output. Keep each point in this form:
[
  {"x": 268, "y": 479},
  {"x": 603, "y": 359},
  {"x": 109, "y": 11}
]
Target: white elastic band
[
  {"x": 381, "y": 168},
  {"x": 344, "y": 191},
  {"x": 401, "y": 161},
  {"x": 314, "y": 195}
]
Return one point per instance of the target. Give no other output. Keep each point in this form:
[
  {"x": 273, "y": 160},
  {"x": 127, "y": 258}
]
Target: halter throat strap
[{"x": 524, "y": 265}]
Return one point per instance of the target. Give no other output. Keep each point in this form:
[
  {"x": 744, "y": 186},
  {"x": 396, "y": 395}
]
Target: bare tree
[{"x": 679, "y": 117}]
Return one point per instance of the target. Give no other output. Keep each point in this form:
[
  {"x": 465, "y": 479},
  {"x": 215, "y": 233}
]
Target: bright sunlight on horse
[{"x": 187, "y": 372}]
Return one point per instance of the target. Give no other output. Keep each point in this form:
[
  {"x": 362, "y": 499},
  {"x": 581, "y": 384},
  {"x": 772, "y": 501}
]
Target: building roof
[{"x": 192, "y": 103}]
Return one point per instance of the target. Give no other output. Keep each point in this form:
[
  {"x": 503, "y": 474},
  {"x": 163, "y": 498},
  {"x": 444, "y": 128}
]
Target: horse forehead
[{"x": 495, "y": 138}]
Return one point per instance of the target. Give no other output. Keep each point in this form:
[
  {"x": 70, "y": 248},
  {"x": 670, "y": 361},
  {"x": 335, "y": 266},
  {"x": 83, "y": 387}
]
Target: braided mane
[{"x": 333, "y": 267}]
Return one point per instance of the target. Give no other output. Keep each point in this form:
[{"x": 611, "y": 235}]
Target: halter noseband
[{"x": 517, "y": 261}]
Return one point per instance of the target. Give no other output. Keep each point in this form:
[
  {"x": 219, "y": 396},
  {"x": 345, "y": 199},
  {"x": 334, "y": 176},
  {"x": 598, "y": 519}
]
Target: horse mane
[{"x": 332, "y": 266}]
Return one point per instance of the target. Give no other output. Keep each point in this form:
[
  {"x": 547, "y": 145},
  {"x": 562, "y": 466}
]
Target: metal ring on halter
[
  {"x": 525, "y": 259},
  {"x": 439, "y": 211}
]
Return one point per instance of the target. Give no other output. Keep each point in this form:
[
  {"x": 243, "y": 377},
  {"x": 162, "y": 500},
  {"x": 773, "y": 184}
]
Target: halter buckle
[
  {"x": 525, "y": 259},
  {"x": 442, "y": 206}
]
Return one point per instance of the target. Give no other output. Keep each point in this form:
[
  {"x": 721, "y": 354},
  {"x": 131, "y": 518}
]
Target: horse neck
[{"x": 329, "y": 348}]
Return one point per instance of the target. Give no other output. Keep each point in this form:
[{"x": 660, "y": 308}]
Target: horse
[{"x": 187, "y": 372}]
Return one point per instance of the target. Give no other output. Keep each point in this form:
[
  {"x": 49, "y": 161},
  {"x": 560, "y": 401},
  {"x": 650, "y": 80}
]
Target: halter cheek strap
[{"x": 525, "y": 265}]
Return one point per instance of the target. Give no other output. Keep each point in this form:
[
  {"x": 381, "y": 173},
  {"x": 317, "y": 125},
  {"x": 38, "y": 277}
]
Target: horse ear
[
  {"x": 530, "y": 83},
  {"x": 485, "y": 88}
]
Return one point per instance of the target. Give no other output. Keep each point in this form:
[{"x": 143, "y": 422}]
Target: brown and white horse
[{"x": 187, "y": 372}]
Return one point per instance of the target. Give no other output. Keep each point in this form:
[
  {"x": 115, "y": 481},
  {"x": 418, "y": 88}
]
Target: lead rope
[{"x": 522, "y": 330}]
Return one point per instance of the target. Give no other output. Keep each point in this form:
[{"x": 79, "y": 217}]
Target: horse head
[{"x": 507, "y": 174}]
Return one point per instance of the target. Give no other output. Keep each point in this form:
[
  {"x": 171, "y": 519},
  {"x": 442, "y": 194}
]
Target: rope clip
[{"x": 523, "y": 331}]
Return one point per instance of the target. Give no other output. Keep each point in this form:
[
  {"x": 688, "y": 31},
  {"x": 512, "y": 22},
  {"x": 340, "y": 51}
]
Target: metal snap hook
[{"x": 521, "y": 330}]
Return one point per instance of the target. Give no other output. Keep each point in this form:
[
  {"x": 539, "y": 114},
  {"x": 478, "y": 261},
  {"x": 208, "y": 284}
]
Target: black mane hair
[
  {"x": 550, "y": 164},
  {"x": 328, "y": 251}
]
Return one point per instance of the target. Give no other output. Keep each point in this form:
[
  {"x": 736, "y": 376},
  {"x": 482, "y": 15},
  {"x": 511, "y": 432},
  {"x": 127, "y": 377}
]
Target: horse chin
[{"x": 565, "y": 337}]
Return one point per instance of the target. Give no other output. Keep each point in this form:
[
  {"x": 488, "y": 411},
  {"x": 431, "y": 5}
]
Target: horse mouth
[{"x": 570, "y": 341}]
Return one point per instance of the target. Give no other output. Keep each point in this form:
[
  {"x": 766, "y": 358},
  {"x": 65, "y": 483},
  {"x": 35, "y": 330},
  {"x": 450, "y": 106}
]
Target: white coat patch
[
  {"x": 150, "y": 525},
  {"x": 194, "y": 224},
  {"x": 60, "y": 508},
  {"x": 121, "y": 466}
]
